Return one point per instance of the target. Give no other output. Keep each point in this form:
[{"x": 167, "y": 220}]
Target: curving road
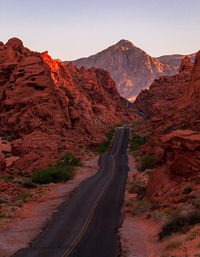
[{"x": 86, "y": 224}]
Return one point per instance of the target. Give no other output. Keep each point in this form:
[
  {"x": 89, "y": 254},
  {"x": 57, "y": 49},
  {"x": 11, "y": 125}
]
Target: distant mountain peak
[
  {"x": 125, "y": 43},
  {"x": 130, "y": 66}
]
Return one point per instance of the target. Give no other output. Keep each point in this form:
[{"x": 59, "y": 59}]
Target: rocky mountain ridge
[{"x": 131, "y": 68}]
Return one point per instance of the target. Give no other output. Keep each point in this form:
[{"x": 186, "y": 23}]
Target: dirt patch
[
  {"x": 29, "y": 221},
  {"x": 138, "y": 235}
]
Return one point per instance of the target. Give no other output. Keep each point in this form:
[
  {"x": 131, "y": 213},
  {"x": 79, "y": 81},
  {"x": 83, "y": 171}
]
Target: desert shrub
[
  {"x": 68, "y": 159},
  {"x": 23, "y": 196},
  {"x": 138, "y": 187},
  {"x": 180, "y": 221},
  {"x": 136, "y": 141},
  {"x": 53, "y": 174},
  {"x": 142, "y": 207},
  {"x": 104, "y": 146},
  {"x": 147, "y": 162},
  {"x": 141, "y": 192}
]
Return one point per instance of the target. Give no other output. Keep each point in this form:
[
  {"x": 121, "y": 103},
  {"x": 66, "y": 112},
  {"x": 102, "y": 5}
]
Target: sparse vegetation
[
  {"x": 180, "y": 221},
  {"x": 136, "y": 142},
  {"x": 142, "y": 207},
  {"x": 62, "y": 171},
  {"x": 23, "y": 196},
  {"x": 52, "y": 174},
  {"x": 147, "y": 162},
  {"x": 105, "y": 145},
  {"x": 69, "y": 159},
  {"x": 137, "y": 187}
]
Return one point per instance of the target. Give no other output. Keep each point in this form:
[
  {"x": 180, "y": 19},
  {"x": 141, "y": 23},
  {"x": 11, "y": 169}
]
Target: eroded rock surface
[
  {"x": 47, "y": 108},
  {"x": 173, "y": 106}
]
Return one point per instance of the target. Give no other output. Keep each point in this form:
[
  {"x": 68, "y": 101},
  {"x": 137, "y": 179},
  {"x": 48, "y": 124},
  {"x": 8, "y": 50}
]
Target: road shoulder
[
  {"x": 138, "y": 235},
  {"x": 31, "y": 220}
]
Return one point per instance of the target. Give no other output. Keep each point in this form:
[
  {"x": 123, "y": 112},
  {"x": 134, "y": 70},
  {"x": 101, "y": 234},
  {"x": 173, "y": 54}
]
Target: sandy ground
[
  {"x": 138, "y": 235},
  {"x": 30, "y": 220}
]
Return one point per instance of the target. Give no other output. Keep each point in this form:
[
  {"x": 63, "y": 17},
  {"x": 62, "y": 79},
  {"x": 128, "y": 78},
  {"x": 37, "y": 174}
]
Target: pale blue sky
[{"x": 70, "y": 29}]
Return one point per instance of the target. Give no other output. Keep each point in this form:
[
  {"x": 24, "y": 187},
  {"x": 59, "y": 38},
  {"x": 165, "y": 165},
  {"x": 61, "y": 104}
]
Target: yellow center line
[{"x": 90, "y": 215}]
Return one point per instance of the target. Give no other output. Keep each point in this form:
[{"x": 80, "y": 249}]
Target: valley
[{"x": 55, "y": 116}]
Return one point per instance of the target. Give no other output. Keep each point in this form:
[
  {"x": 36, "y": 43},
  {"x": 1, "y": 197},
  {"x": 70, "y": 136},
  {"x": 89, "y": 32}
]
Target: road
[{"x": 86, "y": 224}]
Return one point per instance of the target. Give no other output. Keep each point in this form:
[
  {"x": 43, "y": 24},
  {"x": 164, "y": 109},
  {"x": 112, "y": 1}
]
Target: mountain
[
  {"x": 48, "y": 108},
  {"x": 131, "y": 68},
  {"x": 174, "y": 59}
]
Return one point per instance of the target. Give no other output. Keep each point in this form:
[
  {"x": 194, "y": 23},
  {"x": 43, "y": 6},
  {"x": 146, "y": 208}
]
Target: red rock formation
[
  {"x": 174, "y": 133},
  {"x": 131, "y": 68},
  {"x": 179, "y": 164},
  {"x": 47, "y": 108},
  {"x": 160, "y": 98}
]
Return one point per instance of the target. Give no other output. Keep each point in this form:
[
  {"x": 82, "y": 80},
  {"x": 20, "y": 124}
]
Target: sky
[{"x": 71, "y": 29}]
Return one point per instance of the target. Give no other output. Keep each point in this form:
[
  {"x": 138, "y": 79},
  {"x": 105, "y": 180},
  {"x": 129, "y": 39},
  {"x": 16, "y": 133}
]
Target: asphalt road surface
[{"x": 86, "y": 224}]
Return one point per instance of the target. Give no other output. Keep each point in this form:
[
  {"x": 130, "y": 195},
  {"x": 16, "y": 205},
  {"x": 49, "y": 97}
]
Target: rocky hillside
[
  {"x": 159, "y": 99},
  {"x": 173, "y": 106},
  {"x": 131, "y": 68},
  {"x": 48, "y": 108}
]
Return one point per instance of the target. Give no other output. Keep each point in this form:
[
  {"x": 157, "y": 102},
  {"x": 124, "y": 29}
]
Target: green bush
[
  {"x": 62, "y": 171},
  {"x": 104, "y": 146},
  {"x": 53, "y": 174},
  {"x": 180, "y": 221},
  {"x": 137, "y": 141},
  {"x": 69, "y": 159},
  {"x": 147, "y": 162}
]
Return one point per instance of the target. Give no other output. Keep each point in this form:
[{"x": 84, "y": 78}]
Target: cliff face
[
  {"x": 160, "y": 98},
  {"x": 131, "y": 68},
  {"x": 47, "y": 108},
  {"x": 174, "y": 133}
]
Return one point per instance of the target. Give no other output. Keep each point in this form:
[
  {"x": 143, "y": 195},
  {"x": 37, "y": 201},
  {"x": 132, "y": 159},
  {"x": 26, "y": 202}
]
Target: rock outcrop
[
  {"x": 160, "y": 98},
  {"x": 174, "y": 133},
  {"x": 47, "y": 108},
  {"x": 131, "y": 68}
]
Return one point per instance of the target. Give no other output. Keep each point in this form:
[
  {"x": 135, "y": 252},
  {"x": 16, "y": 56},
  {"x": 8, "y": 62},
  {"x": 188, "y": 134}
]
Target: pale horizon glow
[{"x": 69, "y": 30}]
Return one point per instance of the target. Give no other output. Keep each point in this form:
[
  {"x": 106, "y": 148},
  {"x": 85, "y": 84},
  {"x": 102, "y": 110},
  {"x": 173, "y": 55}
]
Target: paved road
[{"x": 86, "y": 224}]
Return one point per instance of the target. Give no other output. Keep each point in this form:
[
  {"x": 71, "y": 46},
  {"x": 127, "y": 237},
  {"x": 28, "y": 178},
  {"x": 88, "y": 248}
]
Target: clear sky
[{"x": 70, "y": 29}]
